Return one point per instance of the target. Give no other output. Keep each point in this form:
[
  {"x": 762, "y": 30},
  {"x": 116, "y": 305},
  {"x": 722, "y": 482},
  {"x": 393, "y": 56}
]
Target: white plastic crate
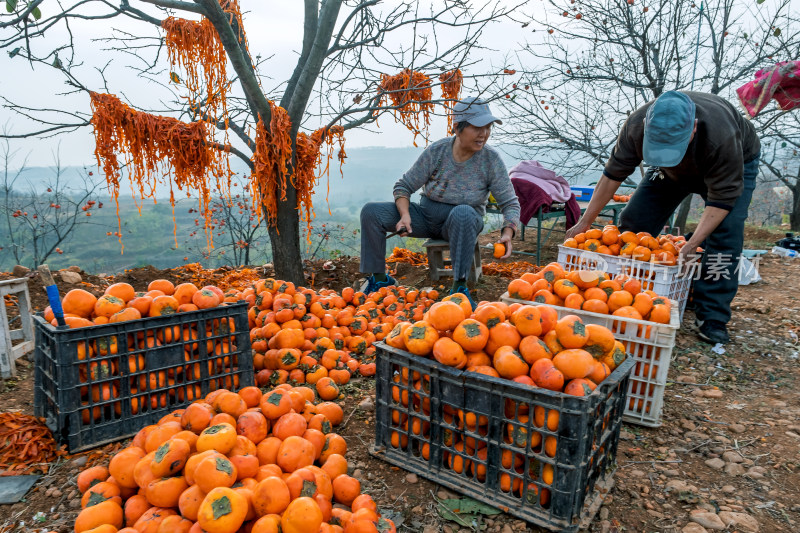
[
  {"x": 649, "y": 343},
  {"x": 673, "y": 282}
]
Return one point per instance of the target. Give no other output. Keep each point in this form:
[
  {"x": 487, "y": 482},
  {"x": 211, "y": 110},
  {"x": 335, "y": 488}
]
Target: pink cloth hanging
[
  {"x": 553, "y": 185},
  {"x": 532, "y": 197},
  {"x": 781, "y": 82}
]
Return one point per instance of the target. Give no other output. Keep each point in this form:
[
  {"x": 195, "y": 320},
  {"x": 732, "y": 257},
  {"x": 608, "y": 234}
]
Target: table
[{"x": 612, "y": 209}]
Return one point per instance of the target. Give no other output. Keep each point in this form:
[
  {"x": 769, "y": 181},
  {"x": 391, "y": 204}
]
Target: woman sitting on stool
[{"x": 456, "y": 175}]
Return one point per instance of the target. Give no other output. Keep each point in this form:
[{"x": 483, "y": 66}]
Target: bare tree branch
[
  {"x": 310, "y": 26},
  {"x": 604, "y": 58},
  {"x": 232, "y": 149},
  {"x": 37, "y": 223},
  {"x": 177, "y": 5}
]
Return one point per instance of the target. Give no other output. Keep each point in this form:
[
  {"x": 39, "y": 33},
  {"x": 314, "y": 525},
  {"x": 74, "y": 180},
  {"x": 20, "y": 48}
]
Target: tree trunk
[
  {"x": 285, "y": 240},
  {"x": 794, "y": 218},
  {"x": 683, "y": 213}
]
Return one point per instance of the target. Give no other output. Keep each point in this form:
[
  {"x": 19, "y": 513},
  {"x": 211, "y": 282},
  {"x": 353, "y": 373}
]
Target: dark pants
[
  {"x": 649, "y": 210},
  {"x": 458, "y": 224}
]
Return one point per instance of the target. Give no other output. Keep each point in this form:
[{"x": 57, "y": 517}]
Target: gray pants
[{"x": 458, "y": 224}]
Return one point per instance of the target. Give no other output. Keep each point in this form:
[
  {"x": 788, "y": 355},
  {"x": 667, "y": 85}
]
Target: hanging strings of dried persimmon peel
[
  {"x": 271, "y": 160},
  {"x": 156, "y": 149},
  {"x": 451, "y": 89},
  {"x": 307, "y": 159},
  {"x": 195, "y": 47},
  {"x": 231, "y": 7},
  {"x": 410, "y": 93}
]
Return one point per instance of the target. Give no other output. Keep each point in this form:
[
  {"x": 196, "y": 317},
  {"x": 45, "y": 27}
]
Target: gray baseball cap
[
  {"x": 668, "y": 128},
  {"x": 475, "y": 111}
]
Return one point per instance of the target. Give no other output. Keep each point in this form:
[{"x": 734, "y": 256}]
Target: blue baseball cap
[
  {"x": 668, "y": 128},
  {"x": 475, "y": 111}
]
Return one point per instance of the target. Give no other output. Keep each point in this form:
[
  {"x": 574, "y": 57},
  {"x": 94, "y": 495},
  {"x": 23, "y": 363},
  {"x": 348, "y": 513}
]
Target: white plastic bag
[
  {"x": 785, "y": 252},
  {"x": 748, "y": 271}
]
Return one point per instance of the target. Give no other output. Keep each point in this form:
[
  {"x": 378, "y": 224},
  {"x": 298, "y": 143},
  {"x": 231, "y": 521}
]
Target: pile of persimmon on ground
[
  {"x": 232, "y": 462},
  {"x": 524, "y": 343},
  {"x": 304, "y": 336},
  {"x": 593, "y": 291},
  {"x": 640, "y": 246}
]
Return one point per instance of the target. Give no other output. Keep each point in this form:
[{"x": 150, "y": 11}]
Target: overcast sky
[{"x": 275, "y": 30}]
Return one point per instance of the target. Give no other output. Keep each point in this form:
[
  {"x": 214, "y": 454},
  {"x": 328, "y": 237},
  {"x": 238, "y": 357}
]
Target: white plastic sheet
[{"x": 748, "y": 271}]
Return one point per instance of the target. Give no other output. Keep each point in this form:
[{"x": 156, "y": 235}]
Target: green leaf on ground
[{"x": 464, "y": 511}]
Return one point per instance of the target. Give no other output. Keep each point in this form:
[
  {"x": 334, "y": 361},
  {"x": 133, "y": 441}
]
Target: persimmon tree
[
  {"x": 590, "y": 63},
  {"x": 332, "y": 239},
  {"x": 780, "y": 154},
  {"x": 359, "y": 61},
  {"x": 239, "y": 234},
  {"x": 36, "y": 220}
]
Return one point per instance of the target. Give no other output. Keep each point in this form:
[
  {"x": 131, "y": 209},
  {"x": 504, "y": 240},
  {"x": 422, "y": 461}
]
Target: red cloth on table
[
  {"x": 781, "y": 82},
  {"x": 532, "y": 197}
]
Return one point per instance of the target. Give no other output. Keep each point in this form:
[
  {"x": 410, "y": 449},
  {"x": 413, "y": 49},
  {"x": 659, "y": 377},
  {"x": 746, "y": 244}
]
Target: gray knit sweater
[{"x": 442, "y": 179}]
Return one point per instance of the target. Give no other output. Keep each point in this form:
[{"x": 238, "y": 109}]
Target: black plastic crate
[
  {"x": 99, "y": 384},
  {"x": 497, "y": 441}
]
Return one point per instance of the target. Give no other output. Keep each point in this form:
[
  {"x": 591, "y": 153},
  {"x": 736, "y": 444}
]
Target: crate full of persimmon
[
  {"x": 651, "y": 260},
  {"x": 645, "y": 324},
  {"x": 484, "y": 407},
  {"x": 98, "y": 383}
]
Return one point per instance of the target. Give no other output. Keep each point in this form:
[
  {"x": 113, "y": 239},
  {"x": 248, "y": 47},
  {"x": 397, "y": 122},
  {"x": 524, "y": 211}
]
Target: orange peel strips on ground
[
  {"x": 404, "y": 255},
  {"x": 26, "y": 445},
  {"x": 410, "y": 92},
  {"x": 509, "y": 270},
  {"x": 224, "y": 279}
]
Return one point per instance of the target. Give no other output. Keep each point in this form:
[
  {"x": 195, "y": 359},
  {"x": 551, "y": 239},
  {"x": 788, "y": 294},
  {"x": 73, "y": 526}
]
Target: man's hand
[
  {"x": 603, "y": 193},
  {"x": 404, "y": 222},
  {"x": 505, "y": 240},
  {"x": 688, "y": 252},
  {"x": 709, "y": 221},
  {"x": 579, "y": 227}
]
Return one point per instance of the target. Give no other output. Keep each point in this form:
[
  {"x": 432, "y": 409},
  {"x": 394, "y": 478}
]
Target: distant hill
[{"x": 367, "y": 174}]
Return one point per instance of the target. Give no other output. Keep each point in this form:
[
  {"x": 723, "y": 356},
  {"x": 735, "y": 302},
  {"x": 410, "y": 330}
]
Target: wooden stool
[
  {"x": 436, "y": 260},
  {"x": 8, "y": 353}
]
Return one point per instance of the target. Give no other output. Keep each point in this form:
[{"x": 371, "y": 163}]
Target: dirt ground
[{"x": 728, "y": 448}]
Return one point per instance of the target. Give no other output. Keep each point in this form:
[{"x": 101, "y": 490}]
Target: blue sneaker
[
  {"x": 371, "y": 285},
  {"x": 463, "y": 289}
]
